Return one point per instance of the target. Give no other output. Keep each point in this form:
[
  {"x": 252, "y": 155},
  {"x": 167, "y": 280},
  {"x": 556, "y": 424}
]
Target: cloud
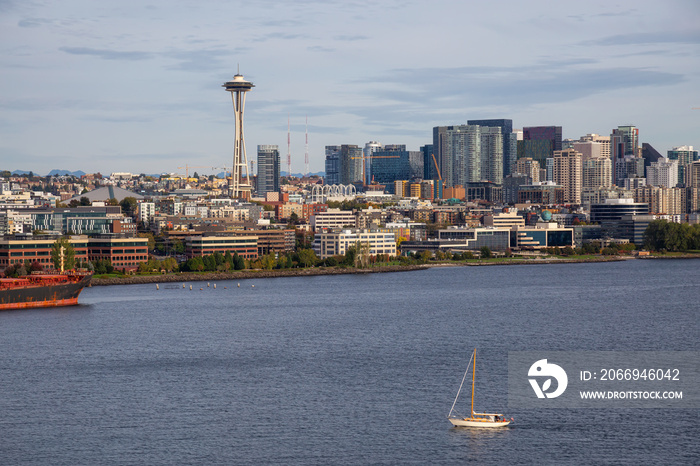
[
  {"x": 319, "y": 48},
  {"x": 350, "y": 38},
  {"x": 649, "y": 38},
  {"x": 280, "y": 35},
  {"x": 108, "y": 54},
  {"x": 31, "y": 22},
  {"x": 205, "y": 59},
  {"x": 414, "y": 96}
]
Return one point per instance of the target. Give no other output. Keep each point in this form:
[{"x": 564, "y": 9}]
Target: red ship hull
[{"x": 41, "y": 291}]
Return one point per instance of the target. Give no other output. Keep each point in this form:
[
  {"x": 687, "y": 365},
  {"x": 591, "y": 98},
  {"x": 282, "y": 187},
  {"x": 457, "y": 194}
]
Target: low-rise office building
[
  {"x": 336, "y": 242},
  {"x": 245, "y": 246}
]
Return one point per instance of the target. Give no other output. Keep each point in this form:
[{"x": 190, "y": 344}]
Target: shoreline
[
  {"x": 248, "y": 274},
  {"x": 281, "y": 273}
]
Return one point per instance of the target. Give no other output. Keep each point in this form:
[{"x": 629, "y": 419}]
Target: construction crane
[
  {"x": 436, "y": 167},
  {"x": 187, "y": 169}
]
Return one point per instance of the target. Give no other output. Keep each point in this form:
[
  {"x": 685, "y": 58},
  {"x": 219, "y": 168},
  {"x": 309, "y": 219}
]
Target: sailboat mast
[{"x": 473, "y": 376}]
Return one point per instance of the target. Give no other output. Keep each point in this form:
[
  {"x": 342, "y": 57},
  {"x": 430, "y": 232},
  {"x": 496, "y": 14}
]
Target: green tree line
[{"x": 662, "y": 235}]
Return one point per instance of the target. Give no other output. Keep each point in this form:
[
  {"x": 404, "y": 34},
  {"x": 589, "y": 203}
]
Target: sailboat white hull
[{"x": 486, "y": 423}]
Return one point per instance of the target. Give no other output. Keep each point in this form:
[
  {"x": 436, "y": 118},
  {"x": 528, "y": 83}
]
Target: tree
[
  {"x": 350, "y": 256},
  {"x": 84, "y": 201},
  {"x": 485, "y": 252},
  {"x": 238, "y": 262},
  {"x": 63, "y": 255},
  {"x": 307, "y": 258},
  {"x": 151, "y": 240},
  {"x": 425, "y": 256},
  {"x": 267, "y": 261},
  {"x": 129, "y": 206}
]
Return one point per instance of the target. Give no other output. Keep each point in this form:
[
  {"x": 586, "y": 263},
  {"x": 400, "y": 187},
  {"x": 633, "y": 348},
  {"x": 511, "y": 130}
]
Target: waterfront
[{"x": 351, "y": 369}]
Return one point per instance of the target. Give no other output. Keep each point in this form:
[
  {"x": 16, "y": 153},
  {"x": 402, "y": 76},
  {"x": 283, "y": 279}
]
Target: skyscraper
[
  {"x": 529, "y": 167},
  {"x": 624, "y": 151},
  {"x": 394, "y": 163},
  {"x": 458, "y": 153},
  {"x": 685, "y": 156},
  {"x": 350, "y": 164},
  {"x": 597, "y": 172},
  {"x": 238, "y": 87},
  {"x": 268, "y": 169},
  {"x": 540, "y": 142},
  {"x": 663, "y": 173},
  {"x": 333, "y": 165},
  {"x": 492, "y": 154},
  {"x": 370, "y": 148},
  {"x": 510, "y": 140},
  {"x": 568, "y": 174}
]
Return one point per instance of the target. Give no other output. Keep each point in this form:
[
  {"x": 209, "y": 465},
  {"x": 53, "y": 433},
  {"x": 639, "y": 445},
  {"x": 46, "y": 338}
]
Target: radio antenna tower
[
  {"x": 306, "y": 149},
  {"x": 289, "y": 152}
]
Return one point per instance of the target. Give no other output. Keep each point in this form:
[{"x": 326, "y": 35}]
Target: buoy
[
  {"x": 157, "y": 287},
  {"x": 183, "y": 285},
  {"x": 224, "y": 288},
  {"x": 253, "y": 286},
  {"x": 201, "y": 289},
  {"x": 190, "y": 287},
  {"x": 239, "y": 285},
  {"x": 207, "y": 284},
  {"x": 214, "y": 285}
]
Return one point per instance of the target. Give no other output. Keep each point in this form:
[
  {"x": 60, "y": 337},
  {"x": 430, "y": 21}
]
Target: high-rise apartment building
[
  {"x": 529, "y": 167},
  {"x": 662, "y": 200},
  {"x": 624, "y": 150},
  {"x": 568, "y": 174},
  {"x": 268, "y": 169},
  {"x": 604, "y": 142},
  {"x": 663, "y": 173},
  {"x": 469, "y": 153},
  {"x": 458, "y": 153},
  {"x": 596, "y": 172},
  {"x": 492, "y": 154},
  {"x": 509, "y": 139},
  {"x": 693, "y": 175},
  {"x": 685, "y": 155}
]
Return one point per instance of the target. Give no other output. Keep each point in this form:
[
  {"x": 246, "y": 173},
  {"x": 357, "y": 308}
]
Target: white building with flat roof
[
  {"x": 333, "y": 218},
  {"x": 337, "y": 242}
]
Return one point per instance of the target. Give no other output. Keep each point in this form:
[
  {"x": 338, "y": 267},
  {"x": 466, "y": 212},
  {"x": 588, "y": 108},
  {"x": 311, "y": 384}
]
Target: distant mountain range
[
  {"x": 53, "y": 172},
  {"x": 80, "y": 173}
]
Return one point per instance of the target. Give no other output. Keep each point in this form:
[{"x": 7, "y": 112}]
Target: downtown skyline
[{"x": 125, "y": 87}]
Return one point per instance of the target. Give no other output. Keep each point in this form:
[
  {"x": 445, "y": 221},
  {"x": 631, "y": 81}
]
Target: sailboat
[{"x": 487, "y": 420}]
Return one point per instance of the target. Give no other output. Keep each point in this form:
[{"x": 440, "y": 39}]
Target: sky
[{"x": 135, "y": 86}]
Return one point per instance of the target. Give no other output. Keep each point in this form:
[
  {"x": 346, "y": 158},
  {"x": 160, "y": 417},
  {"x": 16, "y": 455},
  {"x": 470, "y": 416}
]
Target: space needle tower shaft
[{"x": 238, "y": 87}]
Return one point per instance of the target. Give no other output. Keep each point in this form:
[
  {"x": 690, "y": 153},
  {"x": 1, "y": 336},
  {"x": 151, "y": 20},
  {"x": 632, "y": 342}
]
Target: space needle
[{"x": 238, "y": 88}]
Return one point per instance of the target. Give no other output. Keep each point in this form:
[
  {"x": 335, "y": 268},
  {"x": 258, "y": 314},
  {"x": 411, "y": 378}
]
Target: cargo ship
[{"x": 42, "y": 290}]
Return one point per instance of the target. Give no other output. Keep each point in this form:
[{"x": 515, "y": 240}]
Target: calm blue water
[{"x": 338, "y": 369}]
